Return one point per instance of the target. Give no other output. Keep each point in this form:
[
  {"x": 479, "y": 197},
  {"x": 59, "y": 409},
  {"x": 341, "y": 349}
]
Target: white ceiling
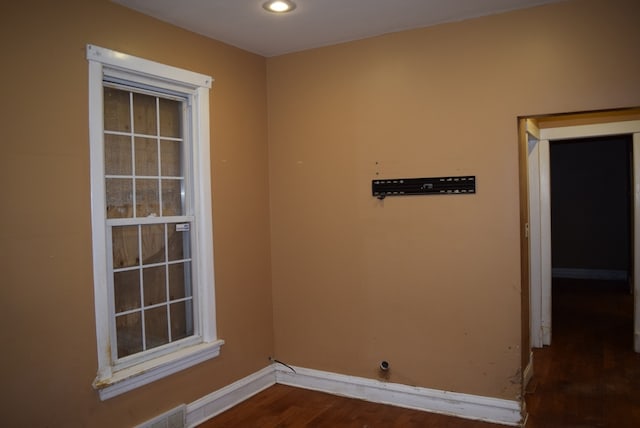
[{"x": 314, "y": 23}]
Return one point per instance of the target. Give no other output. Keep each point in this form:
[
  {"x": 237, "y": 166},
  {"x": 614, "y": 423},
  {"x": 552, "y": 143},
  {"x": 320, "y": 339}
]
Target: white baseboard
[
  {"x": 505, "y": 412},
  {"x": 223, "y": 399},
  {"x": 496, "y": 410},
  {"x": 579, "y": 273}
]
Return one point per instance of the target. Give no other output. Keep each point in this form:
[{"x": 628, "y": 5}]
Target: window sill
[{"x": 141, "y": 374}]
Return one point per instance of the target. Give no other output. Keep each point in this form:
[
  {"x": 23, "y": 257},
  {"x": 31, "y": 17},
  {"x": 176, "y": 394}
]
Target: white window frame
[{"x": 113, "y": 379}]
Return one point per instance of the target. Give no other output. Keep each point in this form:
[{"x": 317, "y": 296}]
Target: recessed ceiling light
[{"x": 279, "y": 6}]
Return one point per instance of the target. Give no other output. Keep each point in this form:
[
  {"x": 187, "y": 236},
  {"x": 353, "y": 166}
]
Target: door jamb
[{"x": 584, "y": 131}]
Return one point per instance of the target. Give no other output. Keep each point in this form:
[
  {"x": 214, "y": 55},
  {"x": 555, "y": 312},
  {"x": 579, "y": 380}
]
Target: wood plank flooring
[
  {"x": 589, "y": 376},
  {"x": 282, "y": 406}
]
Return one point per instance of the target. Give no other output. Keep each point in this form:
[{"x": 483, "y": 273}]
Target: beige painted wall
[
  {"x": 48, "y": 358},
  {"x": 430, "y": 283}
]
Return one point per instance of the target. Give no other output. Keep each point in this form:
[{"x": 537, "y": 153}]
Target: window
[{"x": 151, "y": 219}]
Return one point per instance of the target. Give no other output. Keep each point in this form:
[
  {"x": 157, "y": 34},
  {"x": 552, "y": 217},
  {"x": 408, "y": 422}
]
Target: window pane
[
  {"x": 171, "y": 158},
  {"x": 179, "y": 280},
  {"x": 181, "y": 320},
  {"x": 117, "y": 116},
  {"x": 129, "y": 334},
  {"x": 146, "y": 156},
  {"x": 117, "y": 154},
  {"x": 172, "y": 197},
  {"x": 155, "y": 286},
  {"x": 119, "y": 198},
  {"x": 152, "y": 243},
  {"x": 179, "y": 241},
  {"x": 156, "y": 327},
  {"x": 126, "y": 288},
  {"x": 125, "y": 246},
  {"x": 170, "y": 118},
  {"x": 147, "y": 198},
  {"x": 144, "y": 113}
]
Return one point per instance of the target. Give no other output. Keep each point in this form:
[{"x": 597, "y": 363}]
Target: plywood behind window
[
  {"x": 170, "y": 118},
  {"x": 116, "y": 110},
  {"x": 125, "y": 246},
  {"x": 144, "y": 114},
  {"x": 117, "y": 152},
  {"x": 146, "y": 150},
  {"x": 144, "y": 167}
]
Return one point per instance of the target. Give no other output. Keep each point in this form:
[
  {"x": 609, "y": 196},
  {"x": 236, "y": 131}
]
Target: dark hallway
[
  {"x": 591, "y": 207},
  {"x": 589, "y": 376}
]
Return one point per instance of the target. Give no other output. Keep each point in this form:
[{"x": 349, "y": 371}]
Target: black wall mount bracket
[{"x": 461, "y": 185}]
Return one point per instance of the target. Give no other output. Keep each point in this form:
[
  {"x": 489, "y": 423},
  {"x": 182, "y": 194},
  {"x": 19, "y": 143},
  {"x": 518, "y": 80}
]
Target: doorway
[
  {"x": 537, "y": 221},
  {"x": 591, "y": 202}
]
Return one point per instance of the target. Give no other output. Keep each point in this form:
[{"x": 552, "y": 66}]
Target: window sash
[
  {"x": 187, "y": 261},
  {"x": 136, "y": 174},
  {"x": 143, "y": 313}
]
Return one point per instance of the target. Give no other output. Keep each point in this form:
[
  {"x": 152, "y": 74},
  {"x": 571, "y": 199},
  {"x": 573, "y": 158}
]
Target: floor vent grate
[{"x": 174, "y": 418}]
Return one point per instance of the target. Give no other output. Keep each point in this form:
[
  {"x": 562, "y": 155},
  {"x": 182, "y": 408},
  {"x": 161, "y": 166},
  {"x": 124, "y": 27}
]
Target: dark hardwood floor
[
  {"x": 589, "y": 376},
  {"x": 283, "y": 406}
]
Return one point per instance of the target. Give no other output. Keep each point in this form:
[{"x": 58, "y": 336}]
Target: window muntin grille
[{"x": 148, "y": 227}]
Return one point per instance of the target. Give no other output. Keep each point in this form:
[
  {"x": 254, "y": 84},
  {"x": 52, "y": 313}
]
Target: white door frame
[
  {"x": 539, "y": 237},
  {"x": 535, "y": 270},
  {"x": 540, "y": 219}
]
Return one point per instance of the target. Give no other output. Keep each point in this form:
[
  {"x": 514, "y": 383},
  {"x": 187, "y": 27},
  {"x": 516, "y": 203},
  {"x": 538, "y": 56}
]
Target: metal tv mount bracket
[{"x": 462, "y": 185}]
